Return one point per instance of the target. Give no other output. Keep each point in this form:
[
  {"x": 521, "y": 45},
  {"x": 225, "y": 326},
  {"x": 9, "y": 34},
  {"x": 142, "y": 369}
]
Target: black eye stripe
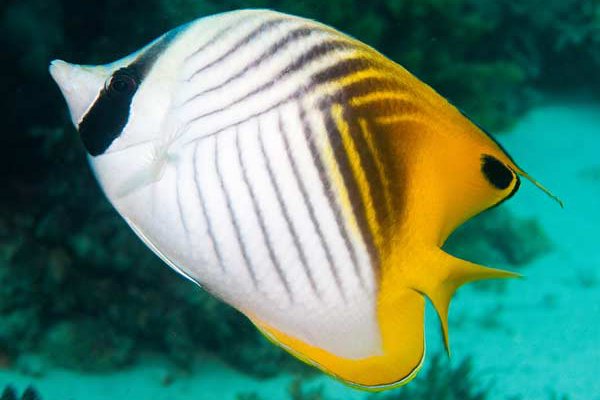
[
  {"x": 496, "y": 173},
  {"x": 106, "y": 118}
]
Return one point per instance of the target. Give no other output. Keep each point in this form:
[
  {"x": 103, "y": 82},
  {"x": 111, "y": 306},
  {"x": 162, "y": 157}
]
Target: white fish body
[
  {"x": 229, "y": 195},
  {"x": 295, "y": 173}
]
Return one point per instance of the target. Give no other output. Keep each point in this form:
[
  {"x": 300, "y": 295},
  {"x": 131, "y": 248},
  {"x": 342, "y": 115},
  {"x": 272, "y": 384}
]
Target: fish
[{"x": 298, "y": 175}]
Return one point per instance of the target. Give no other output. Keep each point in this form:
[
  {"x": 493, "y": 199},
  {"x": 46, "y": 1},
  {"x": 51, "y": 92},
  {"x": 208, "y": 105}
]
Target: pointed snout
[{"x": 79, "y": 84}]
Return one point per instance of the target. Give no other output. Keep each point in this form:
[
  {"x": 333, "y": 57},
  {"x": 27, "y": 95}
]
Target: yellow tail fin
[{"x": 446, "y": 277}]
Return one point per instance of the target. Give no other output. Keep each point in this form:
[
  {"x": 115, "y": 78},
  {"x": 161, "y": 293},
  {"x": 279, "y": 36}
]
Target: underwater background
[{"x": 88, "y": 312}]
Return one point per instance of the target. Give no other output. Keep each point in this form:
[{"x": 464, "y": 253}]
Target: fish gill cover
[{"x": 71, "y": 272}]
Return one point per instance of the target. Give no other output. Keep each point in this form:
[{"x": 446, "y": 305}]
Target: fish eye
[
  {"x": 122, "y": 83},
  {"x": 496, "y": 173}
]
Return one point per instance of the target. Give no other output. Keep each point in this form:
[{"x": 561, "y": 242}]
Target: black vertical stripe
[
  {"x": 393, "y": 168},
  {"x": 331, "y": 196},
  {"x": 358, "y": 207},
  {"x": 368, "y": 164},
  {"x": 310, "y": 208},
  {"x": 209, "y": 227},
  {"x": 233, "y": 217},
  {"x": 261, "y": 220},
  {"x": 286, "y": 215},
  {"x": 362, "y": 87},
  {"x": 341, "y": 69},
  {"x": 384, "y": 177}
]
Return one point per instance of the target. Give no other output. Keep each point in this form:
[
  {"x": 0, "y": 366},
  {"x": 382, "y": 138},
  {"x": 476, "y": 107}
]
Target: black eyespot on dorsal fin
[{"x": 496, "y": 173}]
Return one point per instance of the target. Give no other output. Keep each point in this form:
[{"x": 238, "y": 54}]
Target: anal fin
[
  {"x": 445, "y": 277},
  {"x": 402, "y": 328}
]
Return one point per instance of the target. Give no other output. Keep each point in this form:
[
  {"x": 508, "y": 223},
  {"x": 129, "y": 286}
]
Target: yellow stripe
[
  {"x": 394, "y": 119},
  {"x": 379, "y": 96},
  {"x": 338, "y": 182},
  {"x": 359, "y": 174},
  {"x": 357, "y": 77},
  {"x": 376, "y": 71},
  {"x": 362, "y": 75},
  {"x": 378, "y": 164}
]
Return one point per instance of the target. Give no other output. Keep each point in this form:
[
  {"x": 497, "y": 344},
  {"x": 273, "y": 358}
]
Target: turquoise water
[{"x": 87, "y": 312}]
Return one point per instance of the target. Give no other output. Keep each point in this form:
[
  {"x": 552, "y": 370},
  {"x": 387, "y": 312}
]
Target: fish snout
[{"x": 80, "y": 86}]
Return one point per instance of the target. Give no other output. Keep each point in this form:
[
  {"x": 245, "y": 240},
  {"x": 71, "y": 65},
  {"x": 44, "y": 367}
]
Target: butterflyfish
[{"x": 298, "y": 175}]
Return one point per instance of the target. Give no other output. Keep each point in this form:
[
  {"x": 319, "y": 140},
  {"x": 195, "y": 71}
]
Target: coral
[
  {"x": 31, "y": 365},
  {"x": 86, "y": 345},
  {"x": 272, "y": 358},
  {"x": 499, "y": 238},
  {"x": 5, "y": 359},
  {"x": 298, "y": 392},
  {"x": 440, "y": 381},
  {"x": 10, "y": 393},
  {"x": 562, "y": 45}
]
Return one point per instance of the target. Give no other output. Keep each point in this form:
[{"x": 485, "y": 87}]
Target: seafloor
[{"x": 534, "y": 338}]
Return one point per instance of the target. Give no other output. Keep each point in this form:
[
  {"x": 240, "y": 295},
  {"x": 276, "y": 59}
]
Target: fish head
[
  {"x": 120, "y": 110},
  {"x": 80, "y": 85}
]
